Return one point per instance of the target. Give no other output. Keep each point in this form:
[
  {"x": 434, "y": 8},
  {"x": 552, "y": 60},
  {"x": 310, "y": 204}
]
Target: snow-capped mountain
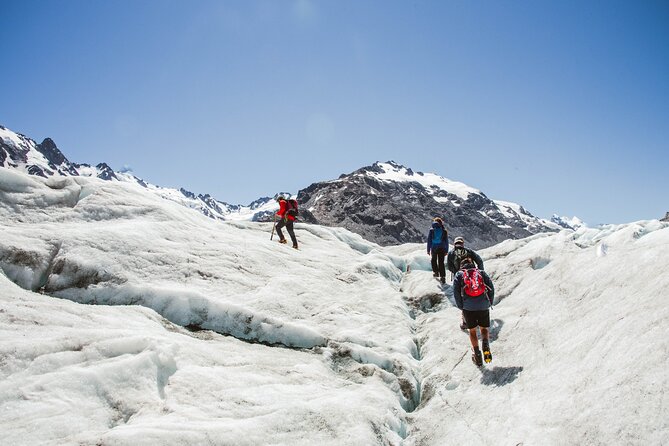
[
  {"x": 390, "y": 204},
  {"x": 127, "y": 319},
  {"x": 45, "y": 159},
  {"x": 568, "y": 222},
  {"x": 386, "y": 203}
]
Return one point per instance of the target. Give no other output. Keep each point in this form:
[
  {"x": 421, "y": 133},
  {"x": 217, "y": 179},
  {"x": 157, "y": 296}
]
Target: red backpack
[
  {"x": 291, "y": 206},
  {"x": 474, "y": 283}
]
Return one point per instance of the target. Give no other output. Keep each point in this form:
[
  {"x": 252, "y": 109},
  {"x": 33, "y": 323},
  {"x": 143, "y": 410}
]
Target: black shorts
[{"x": 475, "y": 319}]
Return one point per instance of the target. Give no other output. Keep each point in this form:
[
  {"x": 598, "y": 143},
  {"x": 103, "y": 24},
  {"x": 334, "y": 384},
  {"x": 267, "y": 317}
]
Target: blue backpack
[{"x": 437, "y": 236}]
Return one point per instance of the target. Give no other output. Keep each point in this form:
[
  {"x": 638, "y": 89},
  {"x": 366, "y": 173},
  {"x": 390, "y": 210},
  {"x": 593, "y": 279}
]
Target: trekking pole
[{"x": 273, "y": 226}]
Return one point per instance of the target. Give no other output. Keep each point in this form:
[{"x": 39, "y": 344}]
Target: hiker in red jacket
[{"x": 285, "y": 219}]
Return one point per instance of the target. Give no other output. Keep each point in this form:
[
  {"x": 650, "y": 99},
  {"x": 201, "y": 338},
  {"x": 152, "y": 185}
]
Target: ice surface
[{"x": 158, "y": 325}]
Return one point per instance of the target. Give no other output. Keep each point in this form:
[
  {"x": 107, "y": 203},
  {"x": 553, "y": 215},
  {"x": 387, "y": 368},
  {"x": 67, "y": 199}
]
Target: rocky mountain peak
[
  {"x": 391, "y": 204},
  {"x": 51, "y": 152}
]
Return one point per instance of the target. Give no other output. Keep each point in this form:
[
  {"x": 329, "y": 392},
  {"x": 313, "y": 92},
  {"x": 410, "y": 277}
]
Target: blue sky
[{"x": 562, "y": 106}]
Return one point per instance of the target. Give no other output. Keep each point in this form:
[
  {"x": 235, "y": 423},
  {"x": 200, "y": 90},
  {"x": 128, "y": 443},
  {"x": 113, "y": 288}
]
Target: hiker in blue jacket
[
  {"x": 474, "y": 293},
  {"x": 437, "y": 247}
]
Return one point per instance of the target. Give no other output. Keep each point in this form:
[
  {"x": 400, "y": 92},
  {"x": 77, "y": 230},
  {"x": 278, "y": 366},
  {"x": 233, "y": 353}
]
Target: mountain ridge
[
  {"x": 390, "y": 204},
  {"x": 385, "y": 202}
]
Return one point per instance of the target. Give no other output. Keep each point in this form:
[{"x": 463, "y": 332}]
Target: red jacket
[{"x": 283, "y": 208}]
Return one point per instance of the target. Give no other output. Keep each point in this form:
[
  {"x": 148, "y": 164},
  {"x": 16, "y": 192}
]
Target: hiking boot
[
  {"x": 443, "y": 280},
  {"x": 476, "y": 357},
  {"x": 435, "y": 275},
  {"x": 295, "y": 245},
  {"x": 487, "y": 356},
  {"x": 463, "y": 326},
  {"x": 283, "y": 240}
]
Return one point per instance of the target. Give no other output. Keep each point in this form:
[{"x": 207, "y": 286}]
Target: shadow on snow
[{"x": 500, "y": 376}]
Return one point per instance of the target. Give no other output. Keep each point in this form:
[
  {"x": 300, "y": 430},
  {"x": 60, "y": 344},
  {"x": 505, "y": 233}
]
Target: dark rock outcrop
[{"x": 393, "y": 212}]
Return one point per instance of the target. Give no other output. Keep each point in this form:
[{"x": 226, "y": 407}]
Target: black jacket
[{"x": 453, "y": 261}]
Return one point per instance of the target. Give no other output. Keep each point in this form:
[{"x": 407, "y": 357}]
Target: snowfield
[{"x": 127, "y": 319}]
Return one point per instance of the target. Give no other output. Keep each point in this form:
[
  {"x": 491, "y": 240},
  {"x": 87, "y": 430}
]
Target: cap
[{"x": 459, "y": 241}]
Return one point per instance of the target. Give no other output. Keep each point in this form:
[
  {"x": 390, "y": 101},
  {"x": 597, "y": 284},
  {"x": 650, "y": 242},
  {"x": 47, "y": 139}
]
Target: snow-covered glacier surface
[{"x": 128, "y": 319}]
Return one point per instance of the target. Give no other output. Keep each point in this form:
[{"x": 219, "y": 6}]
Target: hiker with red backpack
[
  {"x": 287, "y": 215},
  {"x": 437, "y": 247},
  {"x": 455, "y": 258},
  {"x": 474, "y": 293}
]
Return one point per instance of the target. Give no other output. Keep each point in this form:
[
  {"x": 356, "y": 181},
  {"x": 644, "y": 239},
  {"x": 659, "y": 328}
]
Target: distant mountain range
[
  {"x": 385, "y": 203},
  {"x": 45, "y": 159}
]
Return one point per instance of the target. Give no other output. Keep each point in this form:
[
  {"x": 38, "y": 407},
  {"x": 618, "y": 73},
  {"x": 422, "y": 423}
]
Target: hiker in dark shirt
[
  {"x": 474, "y": 293},
  {"x": 459, "y": 252},
  {"x": 456, "y": 257}
]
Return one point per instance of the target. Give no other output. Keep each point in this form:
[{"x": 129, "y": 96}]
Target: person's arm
[
  {"x": 429, "y": 241},
  {"x": 449, "y": 262},
  {"x": 457, "y": 290},
  {"x": 477, "y": 258},
  {"x": 282, "y": 209},
  {"x": 490, "y": 287}
]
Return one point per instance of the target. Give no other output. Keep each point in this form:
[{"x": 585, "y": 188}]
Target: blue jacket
[
  {"x": 469, "y": 303},
  {"x": 436, "y": 244}
]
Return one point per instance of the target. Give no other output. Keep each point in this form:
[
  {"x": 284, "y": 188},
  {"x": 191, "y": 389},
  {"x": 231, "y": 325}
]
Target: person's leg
[
  {"x": 483, "y": 319},
  {"x": 435, "y": 268},
  {"x": 280, "y": 225},
  {"x": 291, "y": 232},
  {"x": 473, "y": 338},
  {"x": 470, "y": 320},
  {"x": 476, "y": 352},
  {"x": 442, "y": 267},
  {"x": 485, "y": 343}
]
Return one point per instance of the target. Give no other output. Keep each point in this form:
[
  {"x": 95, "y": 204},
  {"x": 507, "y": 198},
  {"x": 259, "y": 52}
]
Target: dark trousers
[
  {"x": 289, "y": 227},
  {"x": 438, "y": 266}
]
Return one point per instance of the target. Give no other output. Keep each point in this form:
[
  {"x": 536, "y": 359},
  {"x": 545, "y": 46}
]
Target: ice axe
[{"x": 273, "y": 226}]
